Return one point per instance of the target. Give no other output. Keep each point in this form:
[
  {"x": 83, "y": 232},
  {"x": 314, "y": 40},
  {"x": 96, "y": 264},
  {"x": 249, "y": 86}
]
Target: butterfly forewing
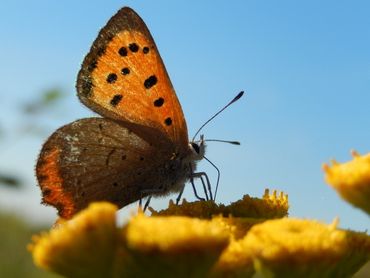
[
  {"x": 97, "y": 159},
  {"x": 123, "y": 78},
  {"x": 139, "y": 148}
]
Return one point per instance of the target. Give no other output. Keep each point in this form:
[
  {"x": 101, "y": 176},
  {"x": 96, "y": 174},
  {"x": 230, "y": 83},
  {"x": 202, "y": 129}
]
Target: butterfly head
[{"x": 198, "y": 148}]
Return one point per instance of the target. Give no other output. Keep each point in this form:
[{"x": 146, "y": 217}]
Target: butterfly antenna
[
  {"x": 223, "y": 141},
  {"x": 227, "y": 105}
]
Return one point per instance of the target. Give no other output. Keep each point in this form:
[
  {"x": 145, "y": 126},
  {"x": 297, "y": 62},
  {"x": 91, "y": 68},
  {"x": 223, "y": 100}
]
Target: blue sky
[{"x": 305, "y": 67}]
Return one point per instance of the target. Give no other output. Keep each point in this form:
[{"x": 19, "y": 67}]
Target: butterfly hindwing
[
  {"x": 97, "y": 159},
  {"x": 123, "y": 78}
]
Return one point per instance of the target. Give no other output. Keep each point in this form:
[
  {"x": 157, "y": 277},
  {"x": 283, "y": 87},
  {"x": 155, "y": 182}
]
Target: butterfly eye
[{"x": 195, "y": 147}]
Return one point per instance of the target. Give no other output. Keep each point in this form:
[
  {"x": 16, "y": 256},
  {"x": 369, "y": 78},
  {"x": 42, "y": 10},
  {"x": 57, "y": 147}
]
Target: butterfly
[{"x": 139, "y": 147}]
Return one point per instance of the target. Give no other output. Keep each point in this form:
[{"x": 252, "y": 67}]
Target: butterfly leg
[
  {"x": 179, "y": 196},
  {"x": 195, "y": 191},
  {"x": 147, "y": 203},
  {"x": 193, "y": 185},
  {"x": 149, "y": 192},
  {"x": 143, "y": 193},
  {"x": 140, "y": 203},
  {"x": 204, "y": 188},
  {"x": 200, "y": 175}
]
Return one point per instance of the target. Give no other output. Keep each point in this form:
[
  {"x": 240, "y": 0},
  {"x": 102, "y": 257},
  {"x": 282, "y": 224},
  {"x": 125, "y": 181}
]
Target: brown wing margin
[{"x": 51, "y": 181}]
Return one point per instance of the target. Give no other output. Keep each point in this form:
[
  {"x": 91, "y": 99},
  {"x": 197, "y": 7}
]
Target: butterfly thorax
[{"x": 179, "y": 168}]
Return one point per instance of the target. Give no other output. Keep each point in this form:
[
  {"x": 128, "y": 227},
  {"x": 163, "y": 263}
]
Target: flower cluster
[{"x": 201, "y": 239}]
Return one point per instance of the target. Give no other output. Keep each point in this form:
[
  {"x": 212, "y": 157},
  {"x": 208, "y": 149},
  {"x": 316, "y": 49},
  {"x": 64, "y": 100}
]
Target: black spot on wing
[
  {"x": 168, "y": 121},
  {"x": 116, "y": 99},
  {"x": 125, "y": 71},
  {"x": 150, "y": 81},
  {"x": 122, "y": 51},
  {"x": 111, "y": 78},
  {"x": 133, "y": 47},
  {"x": 158, "y": 102}
]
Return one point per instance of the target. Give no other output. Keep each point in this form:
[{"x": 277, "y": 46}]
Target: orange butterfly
[{"x": 140, "y": 148}]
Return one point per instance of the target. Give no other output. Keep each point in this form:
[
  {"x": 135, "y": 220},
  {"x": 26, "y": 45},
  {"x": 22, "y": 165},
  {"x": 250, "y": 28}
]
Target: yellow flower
[
  {"x": 270, "y": 206},
  {"x": 92, "y": 245},
  {"x": 173, "y": 246},
  {"x": 351, "y": 180},
  {"x": 295, "y": 248},
  {"x": 83, "y": 246}
]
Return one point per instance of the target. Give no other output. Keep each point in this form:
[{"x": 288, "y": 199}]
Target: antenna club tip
[
  {"x": 227, "y": 105},
  {"x": 238, "y": 96}
]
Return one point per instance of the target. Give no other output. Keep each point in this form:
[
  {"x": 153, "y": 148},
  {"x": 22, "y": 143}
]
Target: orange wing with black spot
[{"x": 123, "y": 78}]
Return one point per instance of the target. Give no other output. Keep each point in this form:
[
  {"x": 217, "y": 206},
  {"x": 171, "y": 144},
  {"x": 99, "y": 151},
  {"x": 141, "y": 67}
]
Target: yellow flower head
[
  {"x": 270, "y": 206},
  {"x": 351, "y": 180},
  {"x": 295, "y": 248},
  {"x": 92, "y": 245},
  {"x": 80, "y": 247},
  {"x": 173, "y": 246}
]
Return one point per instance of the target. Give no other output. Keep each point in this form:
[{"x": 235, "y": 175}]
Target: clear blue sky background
[{"x": 304, "y": 65}]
